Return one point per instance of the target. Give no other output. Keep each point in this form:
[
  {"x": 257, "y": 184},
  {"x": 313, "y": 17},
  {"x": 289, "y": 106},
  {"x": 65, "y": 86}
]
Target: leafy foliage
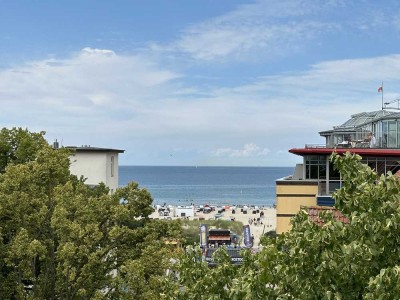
[
  {"x": 19, "y": 146},
  {"x": 334, "y": 261},
  {"x": 60, "y": 239}
]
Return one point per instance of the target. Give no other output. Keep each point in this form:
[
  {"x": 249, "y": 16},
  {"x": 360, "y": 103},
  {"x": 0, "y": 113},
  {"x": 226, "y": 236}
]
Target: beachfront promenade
[{"x": 266, "y": 222}]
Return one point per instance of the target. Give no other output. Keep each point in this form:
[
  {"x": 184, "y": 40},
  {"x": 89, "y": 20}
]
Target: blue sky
[{"x": 211, "y": 82}]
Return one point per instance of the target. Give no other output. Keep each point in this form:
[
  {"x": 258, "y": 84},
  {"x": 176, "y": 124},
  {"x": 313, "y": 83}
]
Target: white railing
[{"x": 315, "y": 146}]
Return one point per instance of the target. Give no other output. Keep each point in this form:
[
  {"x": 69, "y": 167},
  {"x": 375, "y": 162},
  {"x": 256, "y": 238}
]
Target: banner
[
  {"x": 247, "y": 238},
  {"x": 203, "y": 236}
]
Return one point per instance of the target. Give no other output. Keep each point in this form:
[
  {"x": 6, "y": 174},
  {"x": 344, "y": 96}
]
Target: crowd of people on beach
[{"x": 257, "y": 221}]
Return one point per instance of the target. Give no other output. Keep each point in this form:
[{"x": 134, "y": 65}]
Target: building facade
[
  {"x": 96, "y": 165},
  {"x": 373, "y": 135}
]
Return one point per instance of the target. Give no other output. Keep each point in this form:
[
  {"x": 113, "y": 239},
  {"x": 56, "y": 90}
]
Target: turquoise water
[{"x": 206, "y": 185}]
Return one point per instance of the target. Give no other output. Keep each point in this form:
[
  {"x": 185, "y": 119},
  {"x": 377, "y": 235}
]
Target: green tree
[
  {"x": 61, "y": 239},
  {"x": 18, "y": 145},
  {"x": 359, "y": 260}
]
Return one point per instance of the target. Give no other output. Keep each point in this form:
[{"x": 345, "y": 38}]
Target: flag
[{"x": 380, "y": 89}]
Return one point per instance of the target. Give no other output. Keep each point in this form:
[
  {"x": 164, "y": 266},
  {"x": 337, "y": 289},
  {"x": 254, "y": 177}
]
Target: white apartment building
[{"x": 96, "y": 165}]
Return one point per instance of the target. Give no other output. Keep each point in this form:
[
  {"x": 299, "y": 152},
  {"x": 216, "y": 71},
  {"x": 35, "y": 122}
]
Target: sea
[{"x": 206, "y": 185}]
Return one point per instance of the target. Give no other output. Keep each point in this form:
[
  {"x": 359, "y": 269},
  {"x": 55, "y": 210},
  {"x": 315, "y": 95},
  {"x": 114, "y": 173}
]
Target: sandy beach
[{"x": 262, "y": 219}]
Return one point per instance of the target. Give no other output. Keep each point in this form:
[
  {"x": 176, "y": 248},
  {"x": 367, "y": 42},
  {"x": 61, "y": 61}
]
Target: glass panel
[
  {"x": 378, "y": 134},
  {"x": 314, "y": 172},
  {"x": 333, "y": 186},
  {"x": 333, "y": 174},
  {"x": 322, "y": 171},
  {"x": 384, "y": 134},
  {"x": 322, "y": 188},
  {"x": 392, "y": 135},
  {"x": 398, "y": 134}
]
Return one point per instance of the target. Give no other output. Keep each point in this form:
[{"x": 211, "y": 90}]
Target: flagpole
[{"x": 382, "y": 94}]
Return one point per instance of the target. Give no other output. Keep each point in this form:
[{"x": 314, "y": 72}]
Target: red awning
[
  {"x": 219, "y": 238},
  {"x": 360, "y": 151}
]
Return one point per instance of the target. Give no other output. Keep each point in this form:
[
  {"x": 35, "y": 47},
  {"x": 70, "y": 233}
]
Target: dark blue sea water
[{"x": 206, "y": 185}]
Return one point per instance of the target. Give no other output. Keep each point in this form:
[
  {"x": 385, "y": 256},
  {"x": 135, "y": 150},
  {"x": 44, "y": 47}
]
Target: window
[
  {"x": 315, "y": 167},
  {"x": 112, "y": 166},
  {"x": 392, "y": 138}
]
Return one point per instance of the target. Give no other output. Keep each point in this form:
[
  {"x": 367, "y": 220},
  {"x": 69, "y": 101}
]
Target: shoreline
[{"x": 263, "y": 219}]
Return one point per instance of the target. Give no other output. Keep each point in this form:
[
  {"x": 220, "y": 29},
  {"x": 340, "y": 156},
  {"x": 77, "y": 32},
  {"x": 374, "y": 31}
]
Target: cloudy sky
[{"x": 195, "y": 82}]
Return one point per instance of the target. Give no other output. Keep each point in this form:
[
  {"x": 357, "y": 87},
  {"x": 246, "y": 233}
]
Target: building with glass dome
[{"x": 375, "y": 136}]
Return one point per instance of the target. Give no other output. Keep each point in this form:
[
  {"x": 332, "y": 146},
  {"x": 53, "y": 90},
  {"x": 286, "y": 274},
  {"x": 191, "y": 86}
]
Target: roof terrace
[{"x": 378, "y": 129}]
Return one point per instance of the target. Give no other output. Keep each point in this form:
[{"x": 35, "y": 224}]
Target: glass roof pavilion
[
  {"x": 382, "y": 155},
  {"x": 385, "y": 125},
  {"x": 375, "y": 136}
]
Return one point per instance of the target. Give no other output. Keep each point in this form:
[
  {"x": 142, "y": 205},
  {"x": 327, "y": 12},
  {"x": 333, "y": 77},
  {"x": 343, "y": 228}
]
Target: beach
[{"x": 260, "y": 219}]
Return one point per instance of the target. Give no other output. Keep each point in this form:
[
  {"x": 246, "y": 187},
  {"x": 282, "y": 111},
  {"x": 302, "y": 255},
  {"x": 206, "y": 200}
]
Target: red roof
[
  {"x": 360, "y": 151},
  {"x": 315, "y": 211}
]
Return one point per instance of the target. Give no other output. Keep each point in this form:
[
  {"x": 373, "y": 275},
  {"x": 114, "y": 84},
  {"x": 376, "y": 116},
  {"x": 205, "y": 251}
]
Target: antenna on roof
[{"x": 387, "y": 104}]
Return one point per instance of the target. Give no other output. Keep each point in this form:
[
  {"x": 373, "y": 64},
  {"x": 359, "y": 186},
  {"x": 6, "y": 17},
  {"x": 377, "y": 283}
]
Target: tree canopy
[
  {"x": 359, "y": 260},
  {"x": 60, "y": 239},
  {"x": 18, "y": 145}
]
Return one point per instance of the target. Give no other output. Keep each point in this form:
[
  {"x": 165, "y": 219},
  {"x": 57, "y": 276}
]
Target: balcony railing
[
  {"x": 315, "y": 146},
  {"x": 333, "y": 186},
  {"x": 354, "y": 145}
]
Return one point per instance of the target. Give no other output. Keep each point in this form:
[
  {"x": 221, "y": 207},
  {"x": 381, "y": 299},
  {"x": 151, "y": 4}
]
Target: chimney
[{"x": 55, "y": 144}]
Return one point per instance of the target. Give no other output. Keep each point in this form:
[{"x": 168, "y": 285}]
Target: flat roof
[
  {"x": 359, "y": 151},
  {"x": 93, "y": 149}
]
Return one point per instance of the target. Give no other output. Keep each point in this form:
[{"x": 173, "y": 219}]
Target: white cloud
[
  {"x": 90, "y": 51},
  {"x": 211, "y": 42},
  {"x": 263, "y": 28},
  {"x": 82, "y": 85},
  {"x": 248, "y": 150},
  {"x": 266, "y": 30},
  {"x": 129, "y": 102}
]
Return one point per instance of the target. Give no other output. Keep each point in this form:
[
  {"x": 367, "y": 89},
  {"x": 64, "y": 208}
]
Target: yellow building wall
[
  {"x": 289, "y": 199},
  {"x": 291, "y": 205},
  {"x": 283, "y": 224},
  {"x": 297, "y": 189}
]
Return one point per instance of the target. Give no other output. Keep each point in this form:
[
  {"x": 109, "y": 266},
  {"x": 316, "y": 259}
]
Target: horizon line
[{"x": 205, "y": 166}]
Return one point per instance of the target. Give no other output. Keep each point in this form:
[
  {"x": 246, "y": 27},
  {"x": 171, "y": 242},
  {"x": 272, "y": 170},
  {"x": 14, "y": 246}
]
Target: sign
[
  {"x": 247, "y": 238},
  {"x": 233, "y": 252}
]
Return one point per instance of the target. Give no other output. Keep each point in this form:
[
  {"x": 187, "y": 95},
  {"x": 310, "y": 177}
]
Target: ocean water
[{"x": 207, "y": 185}]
